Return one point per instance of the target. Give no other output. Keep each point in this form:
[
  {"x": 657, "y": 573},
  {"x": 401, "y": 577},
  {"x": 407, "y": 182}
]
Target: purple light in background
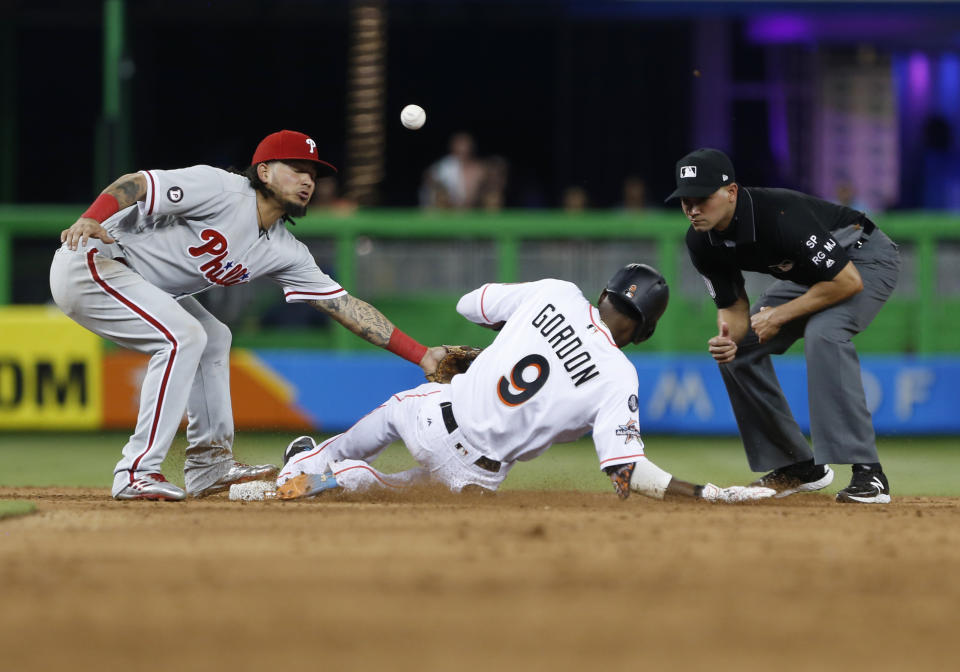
[
  {"x": 779, "y": 131},
  {"x": 779, "y": 28},
  {"x": 948, "y": 85},
  {"x": 918, "y": 80},
  {"x": 838, "y": 28}
]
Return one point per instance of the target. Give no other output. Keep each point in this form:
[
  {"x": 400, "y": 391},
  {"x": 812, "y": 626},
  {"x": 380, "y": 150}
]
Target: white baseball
[{"x": 413, "y": 117}]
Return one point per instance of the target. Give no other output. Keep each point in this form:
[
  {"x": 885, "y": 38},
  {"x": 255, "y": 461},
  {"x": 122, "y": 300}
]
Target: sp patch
[
  {"x": 632, "y": 403},
  {"x": 175, "y": 194}
]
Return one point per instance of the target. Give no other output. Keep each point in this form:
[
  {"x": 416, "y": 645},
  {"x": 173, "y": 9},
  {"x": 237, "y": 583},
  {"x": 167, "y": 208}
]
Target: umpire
[{"x": 835, "y": 269}]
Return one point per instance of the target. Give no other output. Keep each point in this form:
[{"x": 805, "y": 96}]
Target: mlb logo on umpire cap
[
  {"x": 290, "y": 145},
  {"x": 702, "y": 172}
]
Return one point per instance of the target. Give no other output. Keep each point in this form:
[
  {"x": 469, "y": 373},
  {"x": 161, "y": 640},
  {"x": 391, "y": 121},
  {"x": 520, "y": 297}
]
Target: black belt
[
  {"x": 446, "y": 409},
  {"x": 867, "y": 227}
]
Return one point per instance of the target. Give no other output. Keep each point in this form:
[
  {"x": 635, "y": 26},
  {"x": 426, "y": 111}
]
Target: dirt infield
[{"x": 520, "y": 581}]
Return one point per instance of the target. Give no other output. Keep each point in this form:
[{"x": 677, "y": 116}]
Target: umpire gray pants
[{"x": 840, "y": 424}]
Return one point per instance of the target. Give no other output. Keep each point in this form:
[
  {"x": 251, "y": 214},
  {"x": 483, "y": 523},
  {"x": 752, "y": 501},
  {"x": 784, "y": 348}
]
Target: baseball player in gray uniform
[
  {"x": 162, "y": 236},
  {"x": 554, "y": 372},
  {"x": 835, "y": 270}
]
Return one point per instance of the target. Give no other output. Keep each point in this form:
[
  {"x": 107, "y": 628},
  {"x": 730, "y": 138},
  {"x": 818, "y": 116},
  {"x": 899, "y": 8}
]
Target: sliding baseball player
[{"x": 554, "y": 372}]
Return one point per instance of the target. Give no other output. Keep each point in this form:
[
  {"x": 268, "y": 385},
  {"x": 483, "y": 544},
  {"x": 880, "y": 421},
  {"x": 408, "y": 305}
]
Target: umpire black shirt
[{"x": 780, "y": 232}]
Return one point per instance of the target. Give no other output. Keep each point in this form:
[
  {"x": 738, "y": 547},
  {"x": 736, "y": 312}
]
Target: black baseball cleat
[
  {"x": 867, "y": 486},
  {"x": 301, "y": 444},
  {"x": 800, "y": 477}
]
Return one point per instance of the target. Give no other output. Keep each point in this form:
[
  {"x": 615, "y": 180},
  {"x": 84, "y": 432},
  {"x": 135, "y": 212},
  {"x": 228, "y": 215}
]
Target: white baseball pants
[
  {"x": 189, "y": 366},
  {"x": 416, "y": 418}
]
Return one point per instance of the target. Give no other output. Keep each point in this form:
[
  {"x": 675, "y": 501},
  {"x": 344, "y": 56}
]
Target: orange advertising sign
[{"x": 261, "y": 399}]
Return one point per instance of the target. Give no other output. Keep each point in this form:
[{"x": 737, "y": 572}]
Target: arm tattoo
[
  {"x": 128, "y": 189},
  {"x": 359, "y": 317}
]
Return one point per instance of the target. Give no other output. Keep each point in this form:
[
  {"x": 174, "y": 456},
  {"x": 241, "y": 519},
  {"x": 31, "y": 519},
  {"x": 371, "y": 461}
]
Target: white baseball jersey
[
  {"x": 198, "y": 227},
  {"x": 566, "y": 376}
]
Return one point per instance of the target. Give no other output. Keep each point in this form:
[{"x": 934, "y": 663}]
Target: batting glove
[{"x": 620, "y": 476}]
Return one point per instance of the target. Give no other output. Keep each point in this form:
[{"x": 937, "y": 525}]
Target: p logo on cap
[{"x": 289, "y": 146}]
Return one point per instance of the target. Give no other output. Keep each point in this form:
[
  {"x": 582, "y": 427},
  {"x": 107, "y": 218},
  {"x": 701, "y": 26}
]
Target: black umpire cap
[{"x": 702, "y": 172}]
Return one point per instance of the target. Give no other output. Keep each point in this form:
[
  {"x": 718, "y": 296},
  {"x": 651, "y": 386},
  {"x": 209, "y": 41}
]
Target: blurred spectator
[
  {"x": 325, "y": 197},
  {"x": 494, "y": 186},
  {"x": 634, "y": 193},
  {"x": 454, "y": 181},
  {"x": 575, "y": 199},
  {"x": 439, "y": 198},
  {"x": 847, "y": 195}
]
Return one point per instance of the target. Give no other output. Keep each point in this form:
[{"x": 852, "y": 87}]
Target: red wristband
[
  {"x": 103, "y": 208},
  {"x": 406, "y": 347}
]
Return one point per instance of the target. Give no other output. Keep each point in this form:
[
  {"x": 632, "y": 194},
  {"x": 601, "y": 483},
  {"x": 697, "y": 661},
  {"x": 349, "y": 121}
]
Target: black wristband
[{"x": 698, "y": 491}]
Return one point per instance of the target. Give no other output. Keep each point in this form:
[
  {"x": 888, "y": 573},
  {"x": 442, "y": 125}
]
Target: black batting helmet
[{"x": 641, "y": 292}]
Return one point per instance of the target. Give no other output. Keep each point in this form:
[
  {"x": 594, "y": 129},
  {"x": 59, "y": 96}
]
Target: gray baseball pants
[
  {"x": 189, "y": 366},
  {"x": 840, "y": 424}
]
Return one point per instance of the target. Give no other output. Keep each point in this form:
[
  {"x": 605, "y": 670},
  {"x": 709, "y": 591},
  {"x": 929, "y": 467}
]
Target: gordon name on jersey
[
  {"x": 552, "y": 374},
  {"x": 562, "y": 338}
]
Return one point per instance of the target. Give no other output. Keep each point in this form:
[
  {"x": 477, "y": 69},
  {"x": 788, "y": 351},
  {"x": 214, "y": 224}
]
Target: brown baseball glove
[{"x": 457, "y": 360}]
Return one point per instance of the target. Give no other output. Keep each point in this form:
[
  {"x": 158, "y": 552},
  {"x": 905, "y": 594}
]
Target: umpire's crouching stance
[{"x": 836, "y": 269}]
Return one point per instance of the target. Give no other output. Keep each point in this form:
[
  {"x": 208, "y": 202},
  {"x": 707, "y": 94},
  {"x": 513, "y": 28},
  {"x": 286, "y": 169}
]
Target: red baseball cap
[{"x": 288, "y": 145}]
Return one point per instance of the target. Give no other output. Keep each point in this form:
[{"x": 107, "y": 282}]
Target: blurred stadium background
[{"x": 577, "y": 111}]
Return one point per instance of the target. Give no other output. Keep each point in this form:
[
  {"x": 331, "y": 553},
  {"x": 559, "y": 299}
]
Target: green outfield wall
[{"x": 414, "y": 266}]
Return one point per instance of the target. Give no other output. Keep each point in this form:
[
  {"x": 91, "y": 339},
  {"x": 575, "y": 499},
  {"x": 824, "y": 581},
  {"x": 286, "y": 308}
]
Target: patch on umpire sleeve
[
  {"x": 710, "y": 289},
  {"x": 632, "y": 403},
  {"x": 175, "y": 194},
  {"x": 822, "y": 251}
]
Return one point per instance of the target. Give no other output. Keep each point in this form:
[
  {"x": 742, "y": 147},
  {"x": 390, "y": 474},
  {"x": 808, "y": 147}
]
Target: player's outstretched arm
[
  {"x": 359, "y": 317},
  {"x": 373, "y": 326},
  {"x": 124, "y": 192},
  {"x": 649, "y": 480}
]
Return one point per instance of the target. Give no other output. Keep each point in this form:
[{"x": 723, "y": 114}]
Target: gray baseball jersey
[{"x": 197, "y": 228}]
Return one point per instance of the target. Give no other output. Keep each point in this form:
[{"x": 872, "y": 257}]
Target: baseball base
[{"x": 253, "y": 491}]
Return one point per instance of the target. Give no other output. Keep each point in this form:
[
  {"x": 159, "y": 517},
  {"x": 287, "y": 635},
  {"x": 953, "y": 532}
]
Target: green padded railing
[{"x": 924, "y": 323}]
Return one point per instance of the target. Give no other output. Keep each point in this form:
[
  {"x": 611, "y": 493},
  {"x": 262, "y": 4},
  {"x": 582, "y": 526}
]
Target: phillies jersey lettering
[
  {"x": 548, "y": 319},
  {"x": 526, "y": 390},
  {"x": 214, "y": 270},
  {"x": 198, "y": 228}
]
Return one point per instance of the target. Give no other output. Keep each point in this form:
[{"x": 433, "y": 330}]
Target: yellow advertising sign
[{"x": 50, "y": 371}]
